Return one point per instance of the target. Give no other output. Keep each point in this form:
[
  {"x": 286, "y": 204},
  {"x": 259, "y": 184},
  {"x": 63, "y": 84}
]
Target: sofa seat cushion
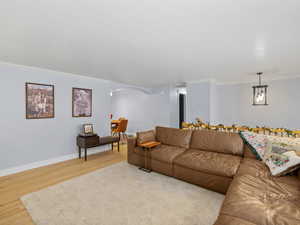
[
  {"x": 166, "y": 153},
  {"x": 209, "y": 162},
  {"x": 262, "y": 199}
]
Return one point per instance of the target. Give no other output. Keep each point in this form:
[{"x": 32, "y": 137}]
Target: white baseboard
[{"x": 33, "y": 165}]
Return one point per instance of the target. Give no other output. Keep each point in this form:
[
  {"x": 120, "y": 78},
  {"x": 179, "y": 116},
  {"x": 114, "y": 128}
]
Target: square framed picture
[
  {"x": 88, "y": 129},
  {"x": 39, "y": 101},
  {"x": 82, "y": 102}
]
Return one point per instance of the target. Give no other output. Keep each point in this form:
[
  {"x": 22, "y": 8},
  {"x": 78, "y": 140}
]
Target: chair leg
[
  {"x": 118, "y": 146},
  {"x": 112, "y": 146},
  {"x": 121, "y": 137}
]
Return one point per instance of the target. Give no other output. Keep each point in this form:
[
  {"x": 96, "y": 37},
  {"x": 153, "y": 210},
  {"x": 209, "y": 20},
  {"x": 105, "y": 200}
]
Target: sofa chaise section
[{"x": 256, "y": 197}]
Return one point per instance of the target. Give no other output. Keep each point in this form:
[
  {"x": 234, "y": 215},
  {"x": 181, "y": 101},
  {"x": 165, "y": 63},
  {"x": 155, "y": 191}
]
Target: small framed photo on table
[{"x": 88, "y": 129}]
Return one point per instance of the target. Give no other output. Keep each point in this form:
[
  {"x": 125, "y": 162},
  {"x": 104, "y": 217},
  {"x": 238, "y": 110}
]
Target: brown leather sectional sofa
[{"x": 221, "y": 162}]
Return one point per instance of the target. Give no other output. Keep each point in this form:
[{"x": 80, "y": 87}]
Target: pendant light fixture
[{"x": 260, "y": 92}]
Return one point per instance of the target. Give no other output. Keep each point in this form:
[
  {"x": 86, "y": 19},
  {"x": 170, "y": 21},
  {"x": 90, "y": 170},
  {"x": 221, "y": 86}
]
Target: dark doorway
[{"x": 181, "y": 109}]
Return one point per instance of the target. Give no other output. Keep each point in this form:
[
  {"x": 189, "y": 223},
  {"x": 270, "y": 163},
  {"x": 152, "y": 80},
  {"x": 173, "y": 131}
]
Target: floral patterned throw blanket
[{"x": 280, "y": 154}]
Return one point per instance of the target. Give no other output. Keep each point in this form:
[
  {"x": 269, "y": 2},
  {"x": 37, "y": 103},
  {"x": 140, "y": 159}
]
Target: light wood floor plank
[{"x": 13, "y": 187}]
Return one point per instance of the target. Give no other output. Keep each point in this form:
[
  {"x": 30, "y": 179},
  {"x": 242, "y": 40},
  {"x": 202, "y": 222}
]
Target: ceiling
[{"x": 154, "y": 42}]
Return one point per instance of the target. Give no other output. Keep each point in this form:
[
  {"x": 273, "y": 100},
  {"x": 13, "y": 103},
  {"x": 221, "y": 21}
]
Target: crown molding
[
  {"x": 20, "y": 66},
  {"x": 265, "y": 79},
  {"x": 212, "y": 80}
]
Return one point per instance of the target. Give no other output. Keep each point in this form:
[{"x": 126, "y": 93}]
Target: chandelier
[{"x": 260, "y": 92}]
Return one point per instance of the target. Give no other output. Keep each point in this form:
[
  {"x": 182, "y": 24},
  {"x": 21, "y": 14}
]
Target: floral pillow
[{"x": 281, "y": 158}]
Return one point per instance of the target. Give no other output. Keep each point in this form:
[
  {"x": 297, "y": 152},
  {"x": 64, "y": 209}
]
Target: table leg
[
  {"x": 85, "y": 154},
  {"x": 146, "y": 159},
  {"x": 79, "y": 152},
  {"x": 146, "y": 167},
  {"x": 148, "y": 163},
  {"x": 112, "y": 146}
]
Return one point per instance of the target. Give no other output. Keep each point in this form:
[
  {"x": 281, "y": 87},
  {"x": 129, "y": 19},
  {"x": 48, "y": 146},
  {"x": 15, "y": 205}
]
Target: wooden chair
[{"x": 120, "y": 130}]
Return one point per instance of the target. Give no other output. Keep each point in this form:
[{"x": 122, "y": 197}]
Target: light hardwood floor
[{"x": 12, "y": 187}]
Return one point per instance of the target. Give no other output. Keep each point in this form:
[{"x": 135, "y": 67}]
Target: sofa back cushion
[
  {"x": 248, "y": 152},
  {"x": 215, "y": 141},
  {"x": 173, "y": 136},
  {"x": 145, "y": 136}
]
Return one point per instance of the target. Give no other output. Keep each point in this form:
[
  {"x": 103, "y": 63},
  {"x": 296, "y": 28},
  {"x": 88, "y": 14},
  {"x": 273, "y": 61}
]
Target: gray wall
[
  {"x": 26, "y": 141},
  {"x": 228, "y": 103},
  {"x": 174, "y": 107},
  {"x": 144, "y": 111},
  {"x": 234, "y": 105},
  {"x": 198, "y": 101}
]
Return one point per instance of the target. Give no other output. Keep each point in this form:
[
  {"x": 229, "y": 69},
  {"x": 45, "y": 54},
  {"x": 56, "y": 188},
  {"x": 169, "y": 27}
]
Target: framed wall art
[
  {"x": 81, "y": 102},
  {"x": 39, "y": 101}
]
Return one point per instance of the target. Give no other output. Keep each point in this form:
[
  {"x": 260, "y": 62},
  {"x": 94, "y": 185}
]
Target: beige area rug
[{"x": 123, "y": 195}]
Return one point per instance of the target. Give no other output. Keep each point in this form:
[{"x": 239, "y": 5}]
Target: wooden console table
[{"x": 95, "y": 141}]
